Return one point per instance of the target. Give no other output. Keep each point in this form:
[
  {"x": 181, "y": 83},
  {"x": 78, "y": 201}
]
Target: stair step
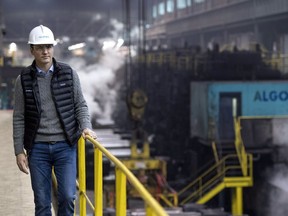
[
  {"x": 113, "y": 142},
  {"x": 170, "y": 212}
]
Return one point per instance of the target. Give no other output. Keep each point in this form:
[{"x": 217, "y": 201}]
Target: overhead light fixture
[
  {"x": 120, "y": 42},
  {"x": 76, "y": 46},
  {"x": 108, "y": 44},
  {"x": 12, "y": 47}
]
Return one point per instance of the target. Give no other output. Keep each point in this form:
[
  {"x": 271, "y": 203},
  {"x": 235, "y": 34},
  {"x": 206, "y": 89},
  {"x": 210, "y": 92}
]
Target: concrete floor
[{"x": 16, "y": 197}]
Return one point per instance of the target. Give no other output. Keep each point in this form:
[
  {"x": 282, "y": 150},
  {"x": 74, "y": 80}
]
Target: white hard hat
[{"x": 41, "y": 35}]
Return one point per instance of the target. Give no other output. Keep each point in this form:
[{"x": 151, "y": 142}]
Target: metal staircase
[
  {"x": 221, "y": 175},
  {"x": 234, "y": 171}
]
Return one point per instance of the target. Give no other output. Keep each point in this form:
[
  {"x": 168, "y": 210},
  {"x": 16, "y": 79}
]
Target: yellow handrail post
[
  {"x": 122, "y": 173},
  {"x": 214, "y": 148},
  {"x": 240, "y": 148},
  {"x": 82, "y": 176},
  {"x": 54, "y": 192},
  {"x": 121, "y": 201},
  {"x": 98, "y": 182},
  {"x": 237, "y": 201}
]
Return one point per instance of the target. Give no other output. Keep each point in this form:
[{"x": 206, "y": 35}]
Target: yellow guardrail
[
  {"x": 240, "y": 148},
  {"x": 211, "y": 178},
  {"x": 122, "y": 175},
  {"x": 214, "y": 148},
  {"x": 216, "y": 174}
]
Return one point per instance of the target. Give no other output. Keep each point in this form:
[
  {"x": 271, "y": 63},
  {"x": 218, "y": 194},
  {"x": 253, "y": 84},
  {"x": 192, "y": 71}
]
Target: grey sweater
[{"x": 50, "y": 129}]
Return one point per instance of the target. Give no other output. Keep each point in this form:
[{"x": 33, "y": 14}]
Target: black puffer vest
[{"x": 63, "y": 97}]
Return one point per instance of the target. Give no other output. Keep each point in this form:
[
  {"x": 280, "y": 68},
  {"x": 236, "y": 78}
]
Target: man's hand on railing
[{"x": 89, "y": 132}]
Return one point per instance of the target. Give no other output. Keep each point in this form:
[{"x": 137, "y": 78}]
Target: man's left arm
[{"x": 81, "y": 108}]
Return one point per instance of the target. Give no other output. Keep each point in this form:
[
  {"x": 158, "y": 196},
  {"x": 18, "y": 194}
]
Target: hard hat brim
[{"x": 35, "y": 43}]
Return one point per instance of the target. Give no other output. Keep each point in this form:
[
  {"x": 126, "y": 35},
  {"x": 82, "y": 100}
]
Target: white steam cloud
[
  {"x": 278, "y": 195},
  {"x": 98, "y": 83},
  {"x": 98, "y": 79}
]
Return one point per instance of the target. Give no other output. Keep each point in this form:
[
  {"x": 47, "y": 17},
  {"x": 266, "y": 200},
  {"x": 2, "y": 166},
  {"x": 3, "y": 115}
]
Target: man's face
[{"x": 42, "y": 53}]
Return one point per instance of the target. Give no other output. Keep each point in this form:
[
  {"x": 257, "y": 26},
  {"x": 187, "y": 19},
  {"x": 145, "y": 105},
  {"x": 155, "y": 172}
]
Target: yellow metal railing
[
  {"x": 216, "y": 174},
  {"x": 214, "y": 148},
  {"x": 240, "y": 148},
  {"x": 212, "y": 177},
  {"x": 122, "y": 175}
]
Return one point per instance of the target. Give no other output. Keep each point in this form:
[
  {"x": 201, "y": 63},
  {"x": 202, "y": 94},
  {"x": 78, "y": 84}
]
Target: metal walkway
[{"x": 16, "y": 197}]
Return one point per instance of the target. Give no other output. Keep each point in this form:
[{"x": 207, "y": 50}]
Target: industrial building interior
[{"x": 191, "y": 95}]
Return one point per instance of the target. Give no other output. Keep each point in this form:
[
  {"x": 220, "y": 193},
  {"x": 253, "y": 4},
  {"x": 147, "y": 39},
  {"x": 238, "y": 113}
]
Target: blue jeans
[{"x": 42, "y": 157}]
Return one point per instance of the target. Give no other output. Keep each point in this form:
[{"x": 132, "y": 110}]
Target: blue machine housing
[{"x": 212, "y": 108}]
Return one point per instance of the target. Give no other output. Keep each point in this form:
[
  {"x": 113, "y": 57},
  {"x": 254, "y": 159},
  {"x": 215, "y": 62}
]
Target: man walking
[{"x": 50, "y": 114}]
